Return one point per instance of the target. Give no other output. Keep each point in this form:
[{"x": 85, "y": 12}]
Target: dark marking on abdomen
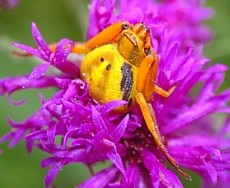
[{"x": 126, "y": 81}]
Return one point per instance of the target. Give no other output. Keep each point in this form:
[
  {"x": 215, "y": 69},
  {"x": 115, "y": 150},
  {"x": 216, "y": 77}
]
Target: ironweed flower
[
  {"x": 92, "y": 132},
  {"x": 8, "y": 4}
]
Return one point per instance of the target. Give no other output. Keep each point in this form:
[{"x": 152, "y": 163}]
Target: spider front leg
[
  {"x": 150, "y": 120},
  {"x": 147, "y": 77},
  {"x": 105, "y": 36},
  {"x": 145, "y": 87}
]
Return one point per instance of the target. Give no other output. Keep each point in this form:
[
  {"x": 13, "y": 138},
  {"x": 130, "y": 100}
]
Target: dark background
[{"x": 58, "y": 19}]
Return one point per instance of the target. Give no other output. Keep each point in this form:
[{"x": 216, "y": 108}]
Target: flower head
[{"x": 90, "y": 132}]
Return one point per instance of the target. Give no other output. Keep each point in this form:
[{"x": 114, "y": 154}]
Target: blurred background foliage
[{"x": 58, "y": 19}]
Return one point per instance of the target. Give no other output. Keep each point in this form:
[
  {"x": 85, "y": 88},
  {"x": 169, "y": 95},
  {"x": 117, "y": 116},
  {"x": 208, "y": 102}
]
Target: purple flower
[
  {"x": 8, "y": 4},
  {"x": 90, "y": 132}
]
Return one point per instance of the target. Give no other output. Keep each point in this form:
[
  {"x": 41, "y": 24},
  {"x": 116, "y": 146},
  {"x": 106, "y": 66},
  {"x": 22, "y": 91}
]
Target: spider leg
[
  {"x": 163, "y": 92},
  {"x": 146, "y": 78},
  {"x": 150, "y": 119},
  {"x": 105, "y": 36},
  {"x": 143, "y": 72}
]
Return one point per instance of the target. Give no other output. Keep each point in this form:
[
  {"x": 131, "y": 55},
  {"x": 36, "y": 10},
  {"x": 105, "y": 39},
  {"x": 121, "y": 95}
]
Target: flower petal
[
  {"x": 37, "y": 73},
  {"x": 114, "y": 156},
  {"x": 160, "y": 175},
  {"x": 42, "y": 45},
  {"x": 51, "y": 175},
  {"x": 101, "y": 179},
  {"x": 120, "y": 129}
]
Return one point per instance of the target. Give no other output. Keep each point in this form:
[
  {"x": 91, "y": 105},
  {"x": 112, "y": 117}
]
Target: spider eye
[{"x": 102, "y": 59}]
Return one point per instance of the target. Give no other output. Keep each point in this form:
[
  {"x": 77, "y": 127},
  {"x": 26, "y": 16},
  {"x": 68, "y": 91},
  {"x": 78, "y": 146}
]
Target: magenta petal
[
  {"x": 59, "y": 59},
  {"x": 16, "y": 135},
  {"x": 16, "y": 103},
  {"x": 160, "y": 175},
  {"x": 114, "y": 156},
  {"x": 63, "y": 83},
  {"x": 62, "y": 51},
  {"x": 171, "y": 55},
  {"x": 101, "y": 179},
  {"x": 51, "y": 174},
  {"x": 110, "y": 106},
  {"x": 10, "y": 85},
  {"x": 98, "y": 119},
  {"x": 133, "y": 176},
  {"x": 27, "y": 49},
  {"x": 120, "y": 129},
  {"x": 211, "y": 171},
  {"x": 42, "y": 45},
  {"x": 37, "y": 73}
]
